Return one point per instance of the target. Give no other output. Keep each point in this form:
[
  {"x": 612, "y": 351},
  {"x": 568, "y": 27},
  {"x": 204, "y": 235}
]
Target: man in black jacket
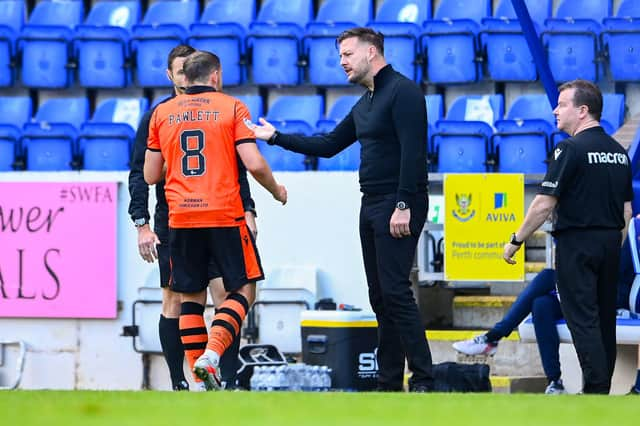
[
  {"x": 153, "y": 244},
  {"x": 390, "y": 122}
]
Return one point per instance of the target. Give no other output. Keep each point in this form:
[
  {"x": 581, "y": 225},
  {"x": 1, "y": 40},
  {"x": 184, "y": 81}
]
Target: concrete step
[
  {"x": 513, "y": 358},
  {"x": 534, "y": 267},
  {"x": 480, "y": 311}
]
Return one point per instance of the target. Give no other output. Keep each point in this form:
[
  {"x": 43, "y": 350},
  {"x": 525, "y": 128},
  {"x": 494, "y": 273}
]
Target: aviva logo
[{"x": 500, "y": 202}]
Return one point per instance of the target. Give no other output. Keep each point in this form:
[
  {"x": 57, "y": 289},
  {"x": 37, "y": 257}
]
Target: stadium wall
[{"x": 317, "y": 227}]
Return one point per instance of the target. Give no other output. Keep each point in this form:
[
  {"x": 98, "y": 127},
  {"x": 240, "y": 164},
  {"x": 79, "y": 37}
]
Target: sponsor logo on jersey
[
  {"x": 557, "y": 153},
  {"x": 607, "y": 158}
]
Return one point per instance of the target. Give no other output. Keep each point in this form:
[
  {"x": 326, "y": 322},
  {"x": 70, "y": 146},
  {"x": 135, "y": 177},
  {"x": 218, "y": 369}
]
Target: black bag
[
  {"x": 254, "y": 355},
  {"x": 456, "y": 377}
]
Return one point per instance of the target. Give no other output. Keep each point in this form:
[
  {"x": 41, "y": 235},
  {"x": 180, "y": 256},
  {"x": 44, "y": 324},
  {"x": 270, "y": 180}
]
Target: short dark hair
[
  {"x": 180, "y": 51},
  {"x": 200, "y": 65},
  {"x": 586, "y": 93},
  {"x": 376, "y": 38}
]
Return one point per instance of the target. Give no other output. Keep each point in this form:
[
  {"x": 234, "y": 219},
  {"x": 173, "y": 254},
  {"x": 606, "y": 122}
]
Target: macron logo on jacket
[{"x": 607, "y": 158}]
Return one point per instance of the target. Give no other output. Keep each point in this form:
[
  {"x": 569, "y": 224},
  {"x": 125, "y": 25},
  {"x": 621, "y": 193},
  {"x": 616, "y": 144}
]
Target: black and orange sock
[
  {"x": 193, "y": 331},
  {"x": 227, "y": 323},
  {"x": 229, "y": 362}
]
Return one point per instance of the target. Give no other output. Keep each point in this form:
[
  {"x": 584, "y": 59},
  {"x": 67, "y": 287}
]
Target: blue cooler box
[{"x": 346, "y": 342}]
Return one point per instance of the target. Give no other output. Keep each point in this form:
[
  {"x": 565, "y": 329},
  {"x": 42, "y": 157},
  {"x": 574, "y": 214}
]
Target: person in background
[
  {"x": 588, "y": 188},
  {"x": 538, "y": 298}
]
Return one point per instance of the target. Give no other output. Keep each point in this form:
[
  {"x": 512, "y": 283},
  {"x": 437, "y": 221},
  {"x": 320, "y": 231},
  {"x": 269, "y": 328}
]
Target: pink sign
[{"x": 58, "y": 250}]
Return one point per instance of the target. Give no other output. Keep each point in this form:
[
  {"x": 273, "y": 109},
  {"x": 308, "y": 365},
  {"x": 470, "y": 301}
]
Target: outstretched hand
[{"x": 263, "y": 131}]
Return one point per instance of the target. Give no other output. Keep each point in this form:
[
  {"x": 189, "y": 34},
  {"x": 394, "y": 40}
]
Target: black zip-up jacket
[
  {"x": 391, "y": 124},
  {"x": 139, "y": 189}
]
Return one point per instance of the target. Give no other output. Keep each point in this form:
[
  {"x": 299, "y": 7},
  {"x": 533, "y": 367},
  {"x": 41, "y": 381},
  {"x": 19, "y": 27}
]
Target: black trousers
[
  {"x": 387, "y": 263},
  {"x": 587, "y": 264}
]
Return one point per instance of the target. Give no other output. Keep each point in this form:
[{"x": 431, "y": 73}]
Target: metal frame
[{"x": 22, "y": 354}]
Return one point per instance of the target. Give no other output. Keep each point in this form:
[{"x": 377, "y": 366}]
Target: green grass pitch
[{"x": 68, "y": 408}]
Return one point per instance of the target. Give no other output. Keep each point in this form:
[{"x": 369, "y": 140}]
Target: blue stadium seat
[
  {"x": 596, "y": 10},
  {"x": 621, "y": 42},
  {"x": 487, "y": 108},
  {"x": 401, "y": 46},
  {"x": 319, "y": 46},
  {"x": 105, "y": 146},
  {"x": 629, "y": 9},
  {"x": 355, "y": 12},
  {"x": 163, "y": 27},
  {"x": 521, "y": 146},
  {"x": 254, "y": 104},
  {"x": 71, "y": 111},
  {"x": 349, "y": 158},
  {"x": 121, "y": 110},
  {"x": 296, "y": 114},
  {"x": 240, "y": 12},
  {"x": 508, "y": 57},
  {"x": 15, "y": 110},
  {"x": 49, "y": 146},
  {"x": 463, "y": 9},
  {"x": 281, "y": 160},
  {"x": 400, "y": 21},
  {"x": 613, "y": 109},
  {"x": 608, "y": 127},
  {"x": 531, "y": 107},
  {"x": 275, "y": 41},
  {"x": 461, "y": 146},
  {"x": 435, "y": 113},
  {"x": 346, "y": 160},
  {"x": 334, "y": 16},
  {"x": 572, "y": 48},
  {"x": 159, "y": 96},
  {"x": 101, "y": 44},
  {"x": 341, "y": 107},
  {"x": 45, "y": 44},
  {"x": 222, "y": 29},
  {"x": 10, "y": 149},
  {"x": 539, "y": 10},
  {"x": 292, "y": 114},
  {"x": 450, "y": 44},
  {"x": 411, "y": 11},
  {"x": 12, "y": 17},
  {"x": 450, "y": 49},
  {"x": 435, "y": 108}
]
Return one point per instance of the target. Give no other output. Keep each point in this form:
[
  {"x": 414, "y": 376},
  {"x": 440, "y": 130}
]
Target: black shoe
[
  {"x": 181, "y": 386},
  {"x": 634, "y": 391},
  {"x": 419, "y": 388},
  {"x": 382, "y": 388}
]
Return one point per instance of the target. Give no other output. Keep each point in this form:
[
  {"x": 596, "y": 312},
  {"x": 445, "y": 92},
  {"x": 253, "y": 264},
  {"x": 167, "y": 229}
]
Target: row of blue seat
[
  {"x": 441, "y": 53},
  {"x": 463, "y": 140},
  {"x": 302, "y": 114},
  {"x": 128, "y": 13},
  {"x": 284, "y": 47},
  {"x": 454, "y": 147}
]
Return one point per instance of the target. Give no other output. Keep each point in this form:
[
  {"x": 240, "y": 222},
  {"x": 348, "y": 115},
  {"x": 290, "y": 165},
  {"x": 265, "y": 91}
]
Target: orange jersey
[{"x": 197, "y": 135}]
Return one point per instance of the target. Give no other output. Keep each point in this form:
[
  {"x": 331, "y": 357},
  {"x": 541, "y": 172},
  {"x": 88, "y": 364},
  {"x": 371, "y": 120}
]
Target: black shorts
[
  {"x": 197, "y": 253},
  {"x": 164, "y": 263}
]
